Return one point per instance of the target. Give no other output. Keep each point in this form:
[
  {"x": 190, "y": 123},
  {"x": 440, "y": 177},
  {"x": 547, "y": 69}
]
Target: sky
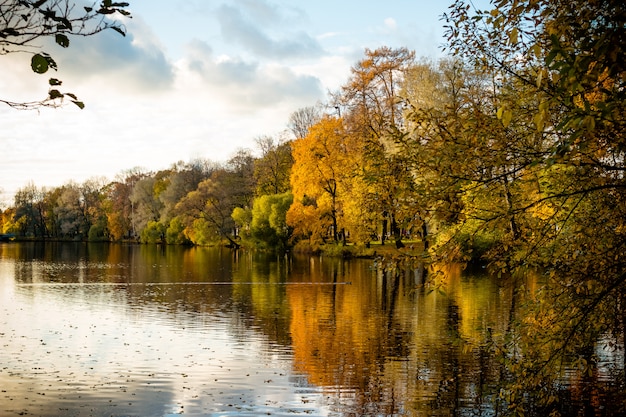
[{"x": 193, "y": 79}]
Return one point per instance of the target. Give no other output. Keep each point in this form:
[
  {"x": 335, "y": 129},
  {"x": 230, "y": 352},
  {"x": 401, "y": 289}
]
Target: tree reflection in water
[
  {"x": 372, "y": 341},
  {"x": 393, "y": 347}
]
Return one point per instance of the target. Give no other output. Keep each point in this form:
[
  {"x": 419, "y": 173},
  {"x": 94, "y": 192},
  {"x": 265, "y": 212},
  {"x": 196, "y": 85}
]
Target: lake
[{"x": 138, "y": 330}]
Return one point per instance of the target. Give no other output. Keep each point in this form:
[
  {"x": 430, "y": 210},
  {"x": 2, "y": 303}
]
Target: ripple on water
[{"x": 104, "y": 349}]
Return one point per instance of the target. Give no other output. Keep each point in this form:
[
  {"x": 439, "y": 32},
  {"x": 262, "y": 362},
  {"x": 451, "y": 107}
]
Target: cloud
[
  {"x": 249, "y": 84},
  {"x": 134, "y": 61},
  {"x": 391, "y": 24},
  {"x": 250, "y": 24}
]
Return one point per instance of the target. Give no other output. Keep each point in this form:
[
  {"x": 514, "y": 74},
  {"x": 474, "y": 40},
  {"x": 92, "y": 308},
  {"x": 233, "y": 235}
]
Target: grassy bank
[{"x": 373, "y": 250}]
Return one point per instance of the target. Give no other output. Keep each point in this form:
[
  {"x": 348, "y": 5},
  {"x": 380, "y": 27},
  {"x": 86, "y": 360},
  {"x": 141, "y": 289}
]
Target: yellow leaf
[
  {"x": 507, "y": 115},
  {"x": 539, "y": 121}
]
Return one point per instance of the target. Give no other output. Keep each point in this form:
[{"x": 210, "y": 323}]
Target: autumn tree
[
  {"x": 69, "y": 213},
  {"x": 118, "y": 206},
  {"x": 26, "y": 24},
  {"x": 238, "y": 177},
  {"x": 206, "y": 211},
  {"x": 78, "y": 210},
  {"x": 7, "y": 222},
  {"x": 273, "y": 167},
  {"x": 30, "y": 214},
  {"x": 182, "y": 179},
  {"x": 323, "y": 164},
  {"x": 95, "y": 218},
  {"x": 146, "y": 205},
  {"x": 464, "y": 162},
  {"x": 540, "y": 159},
  {"x": 373, "y": 111}
]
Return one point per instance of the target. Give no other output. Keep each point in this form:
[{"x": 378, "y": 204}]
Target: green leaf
[
  {"x": 88, "y": 9},
  {"x": 80, "y": 104},
  {"x": 51, "y": 63},
  {"x": 67, "y": 24},
  {"x": 54, "y": 94},
  {"x": 54, "y": 81},
  {"x": 62, "y": 40},
  {"x": 39, "y": 64},
  {"x": 49, "y": 14},
  {"x": 8, "y": 32},
  {"x": 119, "y": 30}
]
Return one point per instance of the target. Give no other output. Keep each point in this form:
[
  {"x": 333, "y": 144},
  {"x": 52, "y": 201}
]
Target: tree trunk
[
  {"x": 397, "y": 233},
  {"x": 509, "y": 201},
  {"x": 383, "y": 233},
  {"x": 425, "y": 235}
]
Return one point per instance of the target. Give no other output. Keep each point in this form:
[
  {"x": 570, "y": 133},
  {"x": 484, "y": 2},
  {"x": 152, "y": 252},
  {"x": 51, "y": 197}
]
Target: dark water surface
[{"x": 126, "y": 330}]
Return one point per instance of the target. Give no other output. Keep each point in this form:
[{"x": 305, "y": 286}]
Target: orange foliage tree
[{"x": 324, "y": 163}]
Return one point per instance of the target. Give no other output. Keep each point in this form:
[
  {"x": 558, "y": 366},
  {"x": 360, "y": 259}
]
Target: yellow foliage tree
[{"x": 324, "y": 163}]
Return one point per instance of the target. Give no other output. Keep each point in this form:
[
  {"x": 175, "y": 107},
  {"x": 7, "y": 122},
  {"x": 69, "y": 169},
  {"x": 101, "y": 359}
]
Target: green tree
[
  {"x": 154, "y": 232},
  {"x": 175, "y": 233},
  {"x": 25, "y": 23},
  {"x": 268, "y": 225},
  {"x": 208, "y": 207}
]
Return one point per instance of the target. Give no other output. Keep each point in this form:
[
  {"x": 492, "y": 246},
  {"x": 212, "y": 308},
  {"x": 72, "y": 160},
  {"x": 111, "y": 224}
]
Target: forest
[{"x": 509, "y": 151}]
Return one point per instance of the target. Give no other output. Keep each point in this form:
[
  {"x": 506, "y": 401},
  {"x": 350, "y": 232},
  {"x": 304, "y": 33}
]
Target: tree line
[{"x": 332, "y": 181}]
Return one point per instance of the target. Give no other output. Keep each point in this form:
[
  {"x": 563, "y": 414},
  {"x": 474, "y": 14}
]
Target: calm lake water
[{"x": 129, "y": 330}]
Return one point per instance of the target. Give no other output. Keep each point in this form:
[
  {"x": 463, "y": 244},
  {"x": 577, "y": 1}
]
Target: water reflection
[
  {"x": 395, "y": 348},
  {"x": 147, "y": 330}
]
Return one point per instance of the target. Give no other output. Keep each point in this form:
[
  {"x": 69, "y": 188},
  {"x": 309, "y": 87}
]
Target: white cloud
[
  {"x": 135, "y": 61},
  {"x": 250, "y": 27},
  {"x": 247, "y": 84},
  {"x": 391, "y": 24}
]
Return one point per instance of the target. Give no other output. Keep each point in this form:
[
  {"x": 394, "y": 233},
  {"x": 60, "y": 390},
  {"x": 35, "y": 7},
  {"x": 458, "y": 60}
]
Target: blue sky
[{"x": 194, "y": 79}]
